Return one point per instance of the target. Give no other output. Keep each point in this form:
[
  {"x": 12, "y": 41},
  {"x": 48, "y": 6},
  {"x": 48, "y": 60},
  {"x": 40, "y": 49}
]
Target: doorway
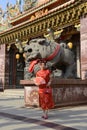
[{"x": 16, "y": 69}]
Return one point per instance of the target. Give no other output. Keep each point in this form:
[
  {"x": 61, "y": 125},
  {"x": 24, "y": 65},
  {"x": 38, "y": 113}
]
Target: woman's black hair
[{"x": 42, "y": 61}]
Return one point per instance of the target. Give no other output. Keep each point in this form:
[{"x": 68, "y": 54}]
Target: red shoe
[
  {"x": 42, "y": 116},
  {"x": 45, "y": 117}
]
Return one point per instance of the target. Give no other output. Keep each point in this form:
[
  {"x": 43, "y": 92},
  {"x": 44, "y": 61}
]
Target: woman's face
[{"x": 42, "y": 65}]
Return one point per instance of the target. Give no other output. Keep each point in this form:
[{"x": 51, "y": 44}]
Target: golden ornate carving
[
  {"x": 52, "y": 35},
  {"x": 39, "y": 14},
  {"x": 32, "y": 18},
  {"x": 77, "y": 26},
  {"x": 73, "y": 14}
]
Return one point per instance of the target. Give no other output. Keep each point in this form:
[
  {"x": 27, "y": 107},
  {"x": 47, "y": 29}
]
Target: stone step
[{"x": 13, "y": 93}]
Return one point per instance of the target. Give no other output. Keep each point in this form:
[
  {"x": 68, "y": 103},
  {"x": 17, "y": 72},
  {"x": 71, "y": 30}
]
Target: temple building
[{"x": 21, "y": 23}]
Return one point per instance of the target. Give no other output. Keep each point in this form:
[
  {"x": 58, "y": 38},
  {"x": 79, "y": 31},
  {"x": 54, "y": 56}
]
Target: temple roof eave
[
  {"x": 51, "y": 13},
  {"x": 27, "y": 28}
]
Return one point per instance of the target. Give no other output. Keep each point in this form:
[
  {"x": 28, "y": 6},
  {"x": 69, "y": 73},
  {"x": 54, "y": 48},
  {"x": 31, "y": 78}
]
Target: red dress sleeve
[{"x": 32, "y": 64}]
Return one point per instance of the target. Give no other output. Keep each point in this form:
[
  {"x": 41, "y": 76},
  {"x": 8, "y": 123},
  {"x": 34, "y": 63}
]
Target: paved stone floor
[{"x": 15, "y": 116}]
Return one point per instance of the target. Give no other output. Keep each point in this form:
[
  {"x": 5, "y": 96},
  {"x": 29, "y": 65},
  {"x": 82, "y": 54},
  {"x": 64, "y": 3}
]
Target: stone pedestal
[
  {"x": 31, "y": 96},
  {"x": 66, "y": 92}
]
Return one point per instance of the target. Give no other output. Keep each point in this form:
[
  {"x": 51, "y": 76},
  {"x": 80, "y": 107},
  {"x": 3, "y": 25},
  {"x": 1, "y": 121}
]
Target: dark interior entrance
[
  {"x": 16, "y": 69},
  {"x": 19, "y": 70}
]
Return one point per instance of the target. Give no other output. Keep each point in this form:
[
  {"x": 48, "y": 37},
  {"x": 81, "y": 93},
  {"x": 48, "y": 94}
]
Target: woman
[{"x": 43, "y": 81}]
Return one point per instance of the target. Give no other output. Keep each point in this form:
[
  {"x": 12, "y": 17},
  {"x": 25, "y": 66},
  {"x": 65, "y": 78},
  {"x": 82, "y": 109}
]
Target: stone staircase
[{"x": 15, "y": 93}]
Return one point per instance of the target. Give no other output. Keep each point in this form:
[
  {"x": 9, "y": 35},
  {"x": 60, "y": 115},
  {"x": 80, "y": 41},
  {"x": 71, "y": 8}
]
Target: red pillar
[{"x": 2, "y": 67}]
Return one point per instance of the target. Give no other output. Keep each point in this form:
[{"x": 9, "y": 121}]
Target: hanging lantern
[
  {"x": 24, "y": 55},
  {"x": 17, "y": 56},
  {"x": 70, "y": 45}
]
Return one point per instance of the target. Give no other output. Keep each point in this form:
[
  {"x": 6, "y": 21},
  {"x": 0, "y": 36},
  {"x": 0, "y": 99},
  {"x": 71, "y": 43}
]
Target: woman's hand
[{"x": 49, "y": 83}]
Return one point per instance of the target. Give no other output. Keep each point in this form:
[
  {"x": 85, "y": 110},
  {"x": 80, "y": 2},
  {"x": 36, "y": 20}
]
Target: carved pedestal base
[
  {"x": 66, "y": 92},
  {"x": 31, "y": 96}
]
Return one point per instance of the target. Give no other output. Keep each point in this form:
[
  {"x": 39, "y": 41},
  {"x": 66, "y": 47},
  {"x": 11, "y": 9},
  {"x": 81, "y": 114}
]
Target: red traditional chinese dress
[{"x": 45, "y": 99}]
